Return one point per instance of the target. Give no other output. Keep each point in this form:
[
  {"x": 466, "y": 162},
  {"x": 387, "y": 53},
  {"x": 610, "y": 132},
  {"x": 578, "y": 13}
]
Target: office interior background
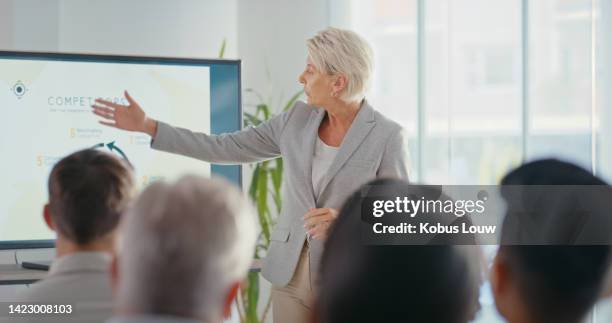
[{"x": 480, "y": 85}]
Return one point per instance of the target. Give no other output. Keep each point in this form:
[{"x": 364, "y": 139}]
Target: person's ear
[
  {"x": 500, "y": 283},
  {"x": 607, "y": 293},
  {"x": 340, "y": 82},
  {"x": 498, "y": 274},
  {"x": 114, "y": 274},
  {"x": 229, "y": 299},
  {"x": 47, "y": 217}
]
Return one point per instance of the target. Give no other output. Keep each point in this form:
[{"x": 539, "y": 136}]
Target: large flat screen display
[{"x": 46, "y": 99}]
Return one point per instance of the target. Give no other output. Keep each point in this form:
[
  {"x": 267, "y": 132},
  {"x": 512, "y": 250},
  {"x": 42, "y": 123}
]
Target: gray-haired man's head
[{"x": 184, "y": 248}]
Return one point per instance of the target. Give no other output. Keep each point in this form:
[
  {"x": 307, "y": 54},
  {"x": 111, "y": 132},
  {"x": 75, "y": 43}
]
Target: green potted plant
[
  {"x": 265, "y": 191},
  {"x": 265, "y": 187}
]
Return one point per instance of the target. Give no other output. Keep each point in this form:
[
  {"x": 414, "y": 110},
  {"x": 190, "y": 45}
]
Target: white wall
[
  {"x": 184, "y": 28},
  {"x": 6, "y": 23},
  {"x": 272, "y": 42},
  {"x": 33, "y": 25}
]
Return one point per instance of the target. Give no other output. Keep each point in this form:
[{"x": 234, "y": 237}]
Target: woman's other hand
[{"x": 318, "y": 221}]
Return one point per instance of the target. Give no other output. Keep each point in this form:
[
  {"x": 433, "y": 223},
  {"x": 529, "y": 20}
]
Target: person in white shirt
[
  {"x": 185, "y": 247},
  {"x": 88, "y": 192}
]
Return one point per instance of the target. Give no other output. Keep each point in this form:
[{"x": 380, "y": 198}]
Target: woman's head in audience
[
  {"x": 399, "y": 283},
  {"x": 557, "y": 280}
]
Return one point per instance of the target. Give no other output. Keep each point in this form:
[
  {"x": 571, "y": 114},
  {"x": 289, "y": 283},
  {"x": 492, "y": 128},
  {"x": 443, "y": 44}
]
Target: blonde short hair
[
  {"x": 337, "y": 51},
  {"x": 183, "y": 244}
]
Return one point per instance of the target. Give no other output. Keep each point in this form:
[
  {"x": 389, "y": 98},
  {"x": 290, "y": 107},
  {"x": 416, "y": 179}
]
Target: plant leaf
[
  {"x": 265, "y": 109},
  {"x": 253, "y": 186},
  {"x": 252, "y": 298},
  {"x": 222, "y": 50},
  {"x": 262, "y": 200},
  {"x": 251, "y": 119},
  {"x": 277, "y": 180},
  {"x": 269, "y": 223}
]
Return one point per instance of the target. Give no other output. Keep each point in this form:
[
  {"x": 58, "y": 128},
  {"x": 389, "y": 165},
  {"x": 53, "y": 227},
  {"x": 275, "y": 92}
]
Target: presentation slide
[{"x": 47, "y": 115}]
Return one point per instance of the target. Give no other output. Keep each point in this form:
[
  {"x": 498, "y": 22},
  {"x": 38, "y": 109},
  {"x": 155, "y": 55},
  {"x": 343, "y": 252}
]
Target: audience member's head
[
  {"x": 556, "y": 281},
  {"x": 399, "y": 283},
  {"x": 184, "y": 249},
  {"x": 88, "y": 192}
]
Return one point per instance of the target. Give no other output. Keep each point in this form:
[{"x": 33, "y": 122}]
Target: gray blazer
[{"x": 374, "y": 147}]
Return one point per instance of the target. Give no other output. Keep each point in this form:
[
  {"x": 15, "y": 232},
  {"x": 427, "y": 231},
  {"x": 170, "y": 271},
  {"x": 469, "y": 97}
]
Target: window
[{"x": 482, "y": 85}]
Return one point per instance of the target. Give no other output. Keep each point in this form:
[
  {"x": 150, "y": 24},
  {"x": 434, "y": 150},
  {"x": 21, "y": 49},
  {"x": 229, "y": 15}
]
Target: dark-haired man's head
[
  {"x": 394, "y": 283},
  {"x": 558, "y": 279},
  {"x": 550, "y": 172},
  {"x": 548, "y": 283},
  {"x": 88, "y": 192}
]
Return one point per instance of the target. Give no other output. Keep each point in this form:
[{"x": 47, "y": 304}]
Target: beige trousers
[{"x": 293, "y": 303}]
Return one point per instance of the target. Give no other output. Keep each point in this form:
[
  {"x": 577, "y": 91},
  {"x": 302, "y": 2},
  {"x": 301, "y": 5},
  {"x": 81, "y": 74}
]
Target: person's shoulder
[
  {"x": 298, "y": 113},
  {"x": 301, "y": 108},
  {"x": 43, "y": 289},
  {"x": 86, "y": 286}
]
